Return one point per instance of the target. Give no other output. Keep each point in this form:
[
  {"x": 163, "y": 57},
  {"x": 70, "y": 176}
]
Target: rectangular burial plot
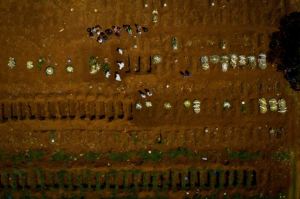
[
  {"x": 120, "y": 182},
  {"x": 168, "y": 138},
  {"x": 186, "y": 115},
  {"x": 62, "y": 109},
  {"x": 211, "y": 107},
  {"x": 177, "y": 180},
  {"x": 189, "y": 136},
  {"x": 14, "y": 108},
  {"x": 129, "y": 106},
  {"x": 160, "y": 180},
  {"x": 134, "y": 64},
  {"x": 32, "y": 110},
  {"x": 253, "y": 107},
  {"x": 42, "y": 110},
  {"x": 129, "y": 179},
  {"x": 144, "y": 64},
  {"x": 146, "y": 181},
  {"x": 92, "y": 110},
  {"x": 23, "y": 110},
  {"x": 82, "y": 109},
  {"x": 101, "y": 109},
  {"x": 127, "y": 65},
  {"x": 52, "y": 110},
  {"x": 204, "y": 107},
  {"x": 110, "y": 110},
  {"x": 47, "y": 179},
  {"x": 218, "y": 107},
  {"x": 72, "y": 109},
  {"x": 235, "y": 108},
  {"x": 119, "y": 110},
  {"x": 228, "y": 136},
  {"x": 238, "y": 176},
  {"x": 93, "y": 180},
  {"x": 139, "y": 114}
]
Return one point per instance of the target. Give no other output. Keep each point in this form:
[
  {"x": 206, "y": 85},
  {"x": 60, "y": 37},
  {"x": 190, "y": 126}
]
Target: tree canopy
[{"x": 285, "y": 48}]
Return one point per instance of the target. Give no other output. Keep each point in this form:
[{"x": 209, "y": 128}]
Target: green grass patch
[
  {"x": 120, "y": 157},
  {"x": 17, "y": 158},
  {"x": 284, "y": 156},
  {"x": 60, "y": 156},
  {"x": 135, "y": 139},
  {"x": 105, "y": 67},
  {"x": 242, "y": 155},
  {"x": 92, "y": 155},
  {"x": 244, "y": 109},
  {"x": 154, "y": 156},
  {"x": 32, "y": 155},
  {"x": 40, "y": 63}
]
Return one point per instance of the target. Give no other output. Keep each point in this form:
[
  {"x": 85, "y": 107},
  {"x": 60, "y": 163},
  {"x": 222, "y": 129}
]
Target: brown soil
[{"x": 89, "y": 114}]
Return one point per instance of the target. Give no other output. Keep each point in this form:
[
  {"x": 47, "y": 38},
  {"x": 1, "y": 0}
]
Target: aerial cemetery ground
[{"x": 77, "y": 134}]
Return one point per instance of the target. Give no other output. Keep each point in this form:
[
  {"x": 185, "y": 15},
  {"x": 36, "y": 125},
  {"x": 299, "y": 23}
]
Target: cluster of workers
[{"x": 103, "y": 35}]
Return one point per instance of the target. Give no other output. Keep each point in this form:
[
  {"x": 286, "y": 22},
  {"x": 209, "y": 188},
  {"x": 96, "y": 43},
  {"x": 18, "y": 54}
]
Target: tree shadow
[{"x": 285, "y": 49}]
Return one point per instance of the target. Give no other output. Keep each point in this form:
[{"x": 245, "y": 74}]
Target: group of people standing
[{"x": 103, "y": 35}]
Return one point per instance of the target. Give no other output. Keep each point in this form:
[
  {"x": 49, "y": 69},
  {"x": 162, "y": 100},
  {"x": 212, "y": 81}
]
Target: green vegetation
[
  {"x": 14, "y": 185},
  {"x": 98, "y": 185},
  {"x": 40, "y": 63},
  {"x": 60, "y": 176},
  {"x": 92, "y": 155},
  {"x": 22, "y": 157},
  {"x": 79, "y": 182},
  {"x": 34, "y": 155},
  {"x": 230, "y": 179},
  {"x": 125, "y": 173},
  {"x": 105, "y": 67},
  {"x": 239, "y": 178},
  {"x": 221, "y": 180},
  {"x": 154, "y": 156},
  {"x": 27, "y": 195},
  {"x": 60, "y": 155},
  {"x": 116, "y": 180},
  {"x": 145, "y": 181},
  {"x": 284, "y": 156},
  {"x": 248, "y": 179},
  {"x": 135, "y": 139},
  {"x": 242, "y": 155},
  {"x": 244, "y": 109},
  {"x": 120, "y": 157},
  {"x": 211, "y": 179},
  {"x": 52, "y": 187},
  {"x": 33, "y": 179},
  {"x": 17, "y": 158},
  {"x": 192, "y": 178},
  {"x": 183, "y": 153},
  {"x": 42, "y": 178},
  {"x": 107, "y": 180},
  {"x": 165, "y": 183},
  {"x": 114, "y": 189},
  {"x": 202, "y": 185},
  {"x": 154, "y": 182},
  {"x": 174, "y": 187},
  {"x": 88, "y": 176}
]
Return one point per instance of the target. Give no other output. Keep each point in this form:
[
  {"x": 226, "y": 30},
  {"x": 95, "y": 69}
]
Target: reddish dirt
[{"x": 89, "y": 114}]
